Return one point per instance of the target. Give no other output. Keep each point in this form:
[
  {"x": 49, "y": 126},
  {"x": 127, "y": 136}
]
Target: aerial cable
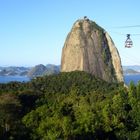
[
  {"x": 130, "y": 58},
  {"x": 126, "y": 26},
  {"x": 121, "y": 27},
  {"x": 124, "y": 33},
  {"x": 128, "y": 42},
  {"x": 132, "y": 26}
]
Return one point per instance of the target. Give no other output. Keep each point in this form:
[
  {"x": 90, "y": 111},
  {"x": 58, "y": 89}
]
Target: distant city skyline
[{"x": 33, "y": 32}]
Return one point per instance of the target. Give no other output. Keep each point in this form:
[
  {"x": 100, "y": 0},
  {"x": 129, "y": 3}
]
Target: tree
[
  {"x": 138, "y": 90},
  {"x": 9, "y": 112}
]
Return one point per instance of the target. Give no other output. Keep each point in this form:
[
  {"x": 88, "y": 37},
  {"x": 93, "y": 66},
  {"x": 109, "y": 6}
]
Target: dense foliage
[{"x": 69, "y": 106}]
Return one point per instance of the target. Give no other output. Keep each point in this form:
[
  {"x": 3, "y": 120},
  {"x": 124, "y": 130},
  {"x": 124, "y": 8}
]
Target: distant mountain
[
  {"x": 133, "y": 67},
  {"x": 49, "y": 69},
  {"x": 31, "y": 72},
  {"x": 40, "y": 70},
  {"x": 52, "y": 69},
  {"x": 130, "y": 72},
  {"x": 12, "y": 71}
]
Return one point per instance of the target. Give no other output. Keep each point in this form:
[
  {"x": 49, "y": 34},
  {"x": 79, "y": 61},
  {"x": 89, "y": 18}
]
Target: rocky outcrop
[{"x": 88, "y": 47}]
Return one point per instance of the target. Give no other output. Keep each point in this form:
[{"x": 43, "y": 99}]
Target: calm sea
[
  {"x": 6, "y": 79},
  {"x": 134, "y": 78}
]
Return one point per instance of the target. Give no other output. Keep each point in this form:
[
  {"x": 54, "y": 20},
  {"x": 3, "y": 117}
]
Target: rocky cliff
[{"x": 88, "y": 47}]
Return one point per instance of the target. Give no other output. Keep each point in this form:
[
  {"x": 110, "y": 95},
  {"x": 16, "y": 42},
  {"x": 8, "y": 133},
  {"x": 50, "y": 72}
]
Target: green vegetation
[
  {"x": 97, "y": 27},
  {"x": 69, "y": 106}
]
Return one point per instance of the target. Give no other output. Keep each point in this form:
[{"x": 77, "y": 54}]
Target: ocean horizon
[{"x": 6, "y": 79}]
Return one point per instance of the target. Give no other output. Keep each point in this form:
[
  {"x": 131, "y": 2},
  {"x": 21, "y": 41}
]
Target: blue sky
[{"x": 34, "y": 31}]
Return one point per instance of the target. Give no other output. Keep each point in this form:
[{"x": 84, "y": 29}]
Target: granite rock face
[{"x": 88, "y": 47}]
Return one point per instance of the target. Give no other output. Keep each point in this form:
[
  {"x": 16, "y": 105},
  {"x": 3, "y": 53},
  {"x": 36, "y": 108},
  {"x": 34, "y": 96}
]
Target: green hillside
[{"x": 69, "y": 106}]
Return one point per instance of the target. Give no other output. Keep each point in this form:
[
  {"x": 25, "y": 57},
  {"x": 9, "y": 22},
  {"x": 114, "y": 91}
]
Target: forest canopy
[{"x": 69, "y": 106}]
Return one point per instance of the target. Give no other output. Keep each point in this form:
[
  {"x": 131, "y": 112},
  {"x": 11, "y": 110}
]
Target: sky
[{"x": 34, "y": 31}]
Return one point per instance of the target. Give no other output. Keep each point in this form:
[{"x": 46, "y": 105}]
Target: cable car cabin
[{"x": 128, "y": 42}]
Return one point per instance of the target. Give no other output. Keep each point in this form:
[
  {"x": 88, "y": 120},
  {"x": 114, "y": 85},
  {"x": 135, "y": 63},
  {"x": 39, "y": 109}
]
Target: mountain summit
[{"x": 88, "y": 47}]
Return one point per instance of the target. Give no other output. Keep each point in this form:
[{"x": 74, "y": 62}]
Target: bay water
[{"x": 6, "y": 79}]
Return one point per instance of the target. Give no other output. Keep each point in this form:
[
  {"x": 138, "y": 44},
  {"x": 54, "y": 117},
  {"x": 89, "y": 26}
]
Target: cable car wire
[
  {"x": 128, "y": 43},
  {"x": 129, "y": 58},
  {"x": 132, "y": 26},
  {"x": 119, "y": 33},
  {"x": 125, "y": 34},
  {"x": 121, "y": 27}
]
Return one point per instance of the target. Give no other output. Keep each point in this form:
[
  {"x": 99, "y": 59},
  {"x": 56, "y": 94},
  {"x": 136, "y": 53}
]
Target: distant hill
[
  {"x": 31, "y": 72},
  {"x": 52, "y": 69},
  {"x": 130, "y": 72},
  {"x": 49, "y": 69},
  {"x": 134, "y": 67},
  {"x": 40, "y": 70},
  {"x": 12, "y": 71}
]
